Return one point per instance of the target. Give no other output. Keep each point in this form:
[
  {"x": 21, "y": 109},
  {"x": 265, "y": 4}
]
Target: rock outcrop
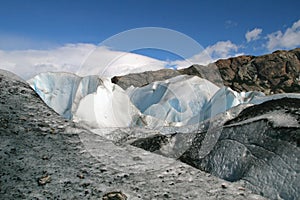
[
  {"x": 278, "y": 72},
  {"x": 144, "y": 78},
  {"x": 44, "y": 156}
]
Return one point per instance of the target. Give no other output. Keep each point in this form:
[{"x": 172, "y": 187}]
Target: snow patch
[{"x": 278, "y": 118}]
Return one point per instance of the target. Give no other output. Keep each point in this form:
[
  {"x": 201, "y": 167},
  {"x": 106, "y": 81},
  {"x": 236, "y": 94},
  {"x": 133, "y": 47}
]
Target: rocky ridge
[{"x": 278, "y": 72}]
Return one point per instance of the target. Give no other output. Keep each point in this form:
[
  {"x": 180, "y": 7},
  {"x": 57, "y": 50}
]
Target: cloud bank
[
  {"x": 88, "y": 59},
  {"x": 82, "y": 59},
  {"x": 289, "y": 39}
]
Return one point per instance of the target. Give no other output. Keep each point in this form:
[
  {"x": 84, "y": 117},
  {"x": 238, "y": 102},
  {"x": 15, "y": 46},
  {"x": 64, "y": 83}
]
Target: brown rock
[{"x": 278, "y": 72}]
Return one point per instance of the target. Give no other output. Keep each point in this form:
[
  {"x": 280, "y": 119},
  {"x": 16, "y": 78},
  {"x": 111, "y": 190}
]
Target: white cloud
[
  {"x": 253, "y": 35},
  {"x": 289, "y": 39},
  {"x": 222, "y": 49},
  {"x": 82, "y": 59},
  {"x": 88, "y": 59}
]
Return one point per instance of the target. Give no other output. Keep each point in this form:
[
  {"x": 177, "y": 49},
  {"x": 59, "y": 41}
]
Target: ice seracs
[
  {"x": 226, "y": 98},
  {"x": 63, "y": 91},
  {"x": 179, "y": 101},
  {"x": 91, "y": 99},
  {"x": 175, "y": 100},
  {"x": 109, "y": 106}
]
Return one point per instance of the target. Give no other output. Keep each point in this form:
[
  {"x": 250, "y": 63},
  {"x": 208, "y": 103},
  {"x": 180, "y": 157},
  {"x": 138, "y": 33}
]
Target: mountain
[
  {"x": 44, "y": 156},
  {"x": 278, "y": 72}
]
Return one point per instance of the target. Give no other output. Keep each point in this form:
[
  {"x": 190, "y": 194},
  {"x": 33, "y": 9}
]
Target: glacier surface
[
  {"x": 175, "y": 100},
  {"x": 180, "y": 101}
]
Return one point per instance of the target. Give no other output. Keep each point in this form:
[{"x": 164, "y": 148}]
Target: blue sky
[
  {"x": 91, "y": 21},
  {"x": 47, "y": 24}
]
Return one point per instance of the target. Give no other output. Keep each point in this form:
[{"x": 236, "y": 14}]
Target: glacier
[
  {"x": 92, "y": 100},
  {"x": 186, "y": 100},
  {"x": 179, "y": 101},
  {"x": 63, "y": 91},
  {"x": 226, "y": 98},
  {"x": 175, "y": 100}
]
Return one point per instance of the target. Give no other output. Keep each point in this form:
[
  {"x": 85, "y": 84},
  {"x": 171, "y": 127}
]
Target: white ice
[
  {"x": 63, "y": 91},
  {"x": 179, "y": 101},
  {"x": 108, "y": 107},
  {"x": 175, "y": 100}
]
